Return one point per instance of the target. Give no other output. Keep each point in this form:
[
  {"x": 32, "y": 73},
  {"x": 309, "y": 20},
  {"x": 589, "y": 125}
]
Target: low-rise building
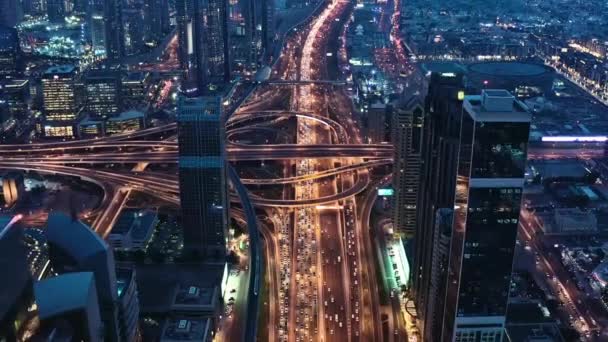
[
  {"x": 133, "y": 229},
  {"x": 187, "y": 329},
  {"x": 126, "y": 122}
]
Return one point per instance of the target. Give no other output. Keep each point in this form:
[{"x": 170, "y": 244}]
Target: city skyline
[{"x": 328, "y": 170}]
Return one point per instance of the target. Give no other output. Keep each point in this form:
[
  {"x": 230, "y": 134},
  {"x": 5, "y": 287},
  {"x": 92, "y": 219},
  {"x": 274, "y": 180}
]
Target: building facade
[
  {"x": 407, "y": 138},
  {"x": 202, "y": 175},
  {"x": 441, "y": 139},
  {"x": 202, "y": 28},
  {"x": 490, "y": 177},
  {"x": 9, "y": 52},
  {"x": 59, "y": 98},
  {"x": 103, "y": 93}
]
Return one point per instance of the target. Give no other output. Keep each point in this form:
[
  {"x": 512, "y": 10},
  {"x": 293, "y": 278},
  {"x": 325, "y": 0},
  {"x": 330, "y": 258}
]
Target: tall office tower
[
  {"x": 74, "y": 247},
  {"x": 407, "y": 128},
  {"x": 97, "y": 27},
  {"x": 9, "y": 52},
  {"x": 490, "y": 177},
  {"x": 56, "y": 11},
  {"x": 103, "y": 92},
  {"x": 68, "y": 308},
  {"x": 59, "y": 97},
  {"x": 441, "y": 139},
  {"x": 157, "y": 19},
  {"x": 16, "y": 93},
  {"x": 376, "y": 123},
  {"x": 128, "y": 308},
  {"x": 114, "y": 35},
  {"x": 268, "y": 13},
  {"x": 134, "y": 29},
  {"x": 11, "y": 12},
  {"x": 202, "y": 175},
  {"x": 16, "y": 294},
  {"x": 203, "y": 38}
]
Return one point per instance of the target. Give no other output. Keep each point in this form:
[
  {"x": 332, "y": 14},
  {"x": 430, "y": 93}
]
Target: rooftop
[
  {"x": 63, "y": 293},
  {"x": 131, "y": 114},
  {"x": 60, "y": 69},
  {"x": 136, "y": 221},
  {"x": 194, "y": 295},
  {"x": 186, "y": 329},
  {"x": 506, "y": 69},
  {"x": 496, "y": 105}
]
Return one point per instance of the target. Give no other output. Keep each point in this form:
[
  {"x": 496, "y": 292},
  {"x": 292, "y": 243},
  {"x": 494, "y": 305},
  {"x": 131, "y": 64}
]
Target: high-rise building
[
  {"x": 106, "y": 28},
  {"x": 134, "y": 29},
  {"x": 97, "y": 27},
  {"x": 114, "y": 36},
  {"x": 9, "y": 52},
  {"x": 157, "y": 19},
  {"x": 16, "y": 294},
  {"x": 56, "y": 11},
  {"x": 490, "y": 177},
  {"x": 128, "y": 303},
  {"x": 11, "y": 12},
  {"x": 103, "y": 92},
  {"x": 202, "y": 175},
  {"x": 268, "y": 14},
  {"x": 203, "y": 44},
  {"x": 440, "y": 142},
  {"x": 15, "y": 92},
  {"x": 74, "y": 247},
  {"x": 408, "y": 117},
  {"x": 59, "y": 97},
  {"x": 377, "y": 123},
  {"x": 68, "y": 308}
]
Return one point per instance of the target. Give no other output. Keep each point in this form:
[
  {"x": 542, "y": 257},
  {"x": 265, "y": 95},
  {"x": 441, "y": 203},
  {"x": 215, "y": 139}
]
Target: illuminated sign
[
  {"x": 386, "y": 192},
  {"x": 601, "y": 138},
  {"x": 460, "y": 95},
  {"x": 448, "y": 74}
]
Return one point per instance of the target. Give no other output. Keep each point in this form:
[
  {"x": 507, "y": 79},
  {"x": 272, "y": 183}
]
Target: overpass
[{"x": 305, "y": 82}]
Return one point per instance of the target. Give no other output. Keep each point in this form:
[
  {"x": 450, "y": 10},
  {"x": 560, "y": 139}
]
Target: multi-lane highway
[{"x": 321, "y": 281}]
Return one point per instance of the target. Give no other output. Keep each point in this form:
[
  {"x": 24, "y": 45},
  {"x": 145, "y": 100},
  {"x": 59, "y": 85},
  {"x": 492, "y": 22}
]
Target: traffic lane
[{"x": 333, "y": 290}]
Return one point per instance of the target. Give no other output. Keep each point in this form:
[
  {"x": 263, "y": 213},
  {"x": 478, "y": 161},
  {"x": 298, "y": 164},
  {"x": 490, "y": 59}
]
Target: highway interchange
[{"x": 322, "y": 276}]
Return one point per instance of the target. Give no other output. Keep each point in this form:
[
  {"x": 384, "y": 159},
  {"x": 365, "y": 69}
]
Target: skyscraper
[
  {"x": 15, "y": 292},
  {"x": 157, "y": 19},
  {"x": 202, "y": 175},
  {"x": 9, "y": 52},
  {"x": 202, "y": 28},
  {"x": 103, "y": 92},
  {"x": 490, "y": 177},
  {"x": 105, "y": 28},
  {"x": 56, "y": 11},
  {"x": 68, "y": 307},
  {"x": 408, "y": 118},
  {"x": 97, "y": 26},
  {"x": 441, "y": 139},
  {"x": 59, "y": 96},
  {"x": 74, "y": 247},
  {"x": 11, "y": 12}
]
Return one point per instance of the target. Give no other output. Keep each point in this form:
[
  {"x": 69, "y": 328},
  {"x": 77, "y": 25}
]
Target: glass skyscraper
[
  {"x": 202, "y": 28},
  {"x": 490, "y": 177},
  {"x": 440, "y": 142},
  {"x": 202, "y": 176}
]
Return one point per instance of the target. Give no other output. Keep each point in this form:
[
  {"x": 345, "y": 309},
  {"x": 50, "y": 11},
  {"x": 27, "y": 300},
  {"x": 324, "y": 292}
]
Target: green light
[{"x": 386, "y": 192}]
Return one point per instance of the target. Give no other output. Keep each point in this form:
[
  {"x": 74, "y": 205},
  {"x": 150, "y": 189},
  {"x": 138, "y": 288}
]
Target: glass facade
[
  {"x": 459, "y": 225},
  {"x": 491, "y": 229},
  {"x": 491, "y": 163},
  {"x": 202, "y": 175},
  {"x": 500, "y": 149}
]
